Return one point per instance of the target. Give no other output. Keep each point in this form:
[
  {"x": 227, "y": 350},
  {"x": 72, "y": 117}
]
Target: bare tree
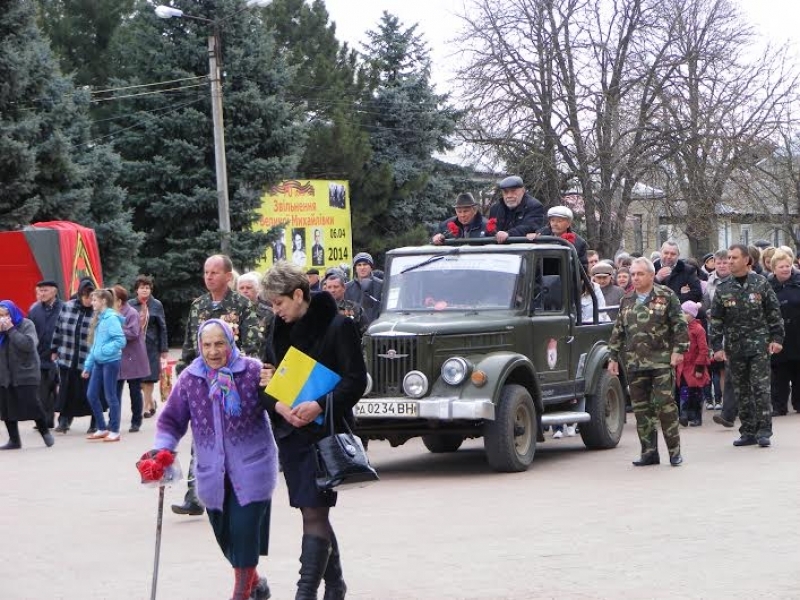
[
  {"x": 575, "y": 83},
  {"x": 723, "y": 109}
]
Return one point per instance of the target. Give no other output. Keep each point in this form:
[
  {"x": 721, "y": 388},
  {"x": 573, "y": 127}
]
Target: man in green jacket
[
  {"x": 650, "y": 337},
  {"x": 746, "y": 318}
]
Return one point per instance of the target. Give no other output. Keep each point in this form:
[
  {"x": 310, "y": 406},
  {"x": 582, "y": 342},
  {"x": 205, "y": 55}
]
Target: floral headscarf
[
  {"x": 15, "y": 314},
  {"x": 221, "y": 385}
]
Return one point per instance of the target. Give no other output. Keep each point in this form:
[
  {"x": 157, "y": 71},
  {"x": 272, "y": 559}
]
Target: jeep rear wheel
[
  {"x": 442, "y": 443},
  {"x": 510, "y": 440},
  {"x": 607, "y": 409}
]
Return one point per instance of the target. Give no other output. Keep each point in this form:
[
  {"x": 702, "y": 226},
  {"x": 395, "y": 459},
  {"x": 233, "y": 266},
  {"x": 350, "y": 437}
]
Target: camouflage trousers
[
  {"x": 751, "y": 384},
  {"x": 653, "y": 403}
]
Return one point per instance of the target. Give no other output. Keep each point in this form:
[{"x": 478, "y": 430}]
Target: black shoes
[
  {"x": 648, "y": 458},
  {"x": 11, "y": 446},
  {"x": 48, "y": 439},
  {"x": 676, "y": 461},
  {"x": 188, "y": 508},
  {"x": 134, "y": 428},
  {"x": 261, "y": 590},
  {"x": 746, "y": 440},
  {"x": 722, "y": 421},
  {"x": 695, "y": 423},
  {"x": 91, "y": 430},
  {"x": 779, "y": 413},
  {"x": 764, "y": 442},
  {"x": 683, "y": 420}
]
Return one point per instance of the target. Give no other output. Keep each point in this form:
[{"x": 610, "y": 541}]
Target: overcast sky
[{"x": 777, "y": 19}]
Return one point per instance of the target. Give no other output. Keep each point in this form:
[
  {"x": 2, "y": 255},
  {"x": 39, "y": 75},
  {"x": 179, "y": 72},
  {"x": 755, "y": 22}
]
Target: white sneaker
[
  {"x": 558, "y": 434},
  {"x": 570, "y": 430},
  {"x": 112, "y": 437},
  {"x": 709, "y": 406},
  {"x": 718, "y": 407}
]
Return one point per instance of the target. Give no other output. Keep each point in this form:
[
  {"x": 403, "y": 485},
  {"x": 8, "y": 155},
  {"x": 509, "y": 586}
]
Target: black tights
[
  {"x": 316, "y": 522},
  {"x": 13, "y": 429}
]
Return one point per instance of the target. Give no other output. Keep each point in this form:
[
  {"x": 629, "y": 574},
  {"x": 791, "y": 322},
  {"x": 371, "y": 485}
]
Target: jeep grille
[{"x": 391, "y": 358}]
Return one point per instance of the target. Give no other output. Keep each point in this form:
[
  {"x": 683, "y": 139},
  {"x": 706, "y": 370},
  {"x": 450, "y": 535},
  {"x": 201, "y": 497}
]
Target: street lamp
[{"x": 214, "y": 54}]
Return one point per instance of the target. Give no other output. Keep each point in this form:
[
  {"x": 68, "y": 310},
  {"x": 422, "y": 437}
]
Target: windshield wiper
[{"x": 427, "y": 261}]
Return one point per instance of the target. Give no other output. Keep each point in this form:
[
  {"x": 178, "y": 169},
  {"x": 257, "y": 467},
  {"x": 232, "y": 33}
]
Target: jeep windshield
[{"x": 466, "y": 281}]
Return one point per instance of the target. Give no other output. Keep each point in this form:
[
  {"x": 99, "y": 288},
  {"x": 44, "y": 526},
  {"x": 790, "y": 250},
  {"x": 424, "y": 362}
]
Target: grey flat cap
[{"x": 515, "y": 181}]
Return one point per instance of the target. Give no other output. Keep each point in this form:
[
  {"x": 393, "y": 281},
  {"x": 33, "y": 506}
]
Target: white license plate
[{"x": 386, "y": 408}]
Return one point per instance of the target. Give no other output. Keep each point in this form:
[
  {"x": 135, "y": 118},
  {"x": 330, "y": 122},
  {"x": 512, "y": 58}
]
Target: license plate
[{"x": 386, "y": 408}]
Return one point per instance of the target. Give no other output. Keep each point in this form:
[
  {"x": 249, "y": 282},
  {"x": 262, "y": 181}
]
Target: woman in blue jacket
[{"x": 106, "y": 340}]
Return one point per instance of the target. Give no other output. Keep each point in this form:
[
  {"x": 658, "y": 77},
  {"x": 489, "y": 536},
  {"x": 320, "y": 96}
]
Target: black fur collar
[{"x": 309, "y": 328}]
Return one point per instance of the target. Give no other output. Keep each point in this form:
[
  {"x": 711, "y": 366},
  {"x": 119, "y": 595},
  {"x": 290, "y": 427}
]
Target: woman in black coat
[
  {"x": 314, "y": 326},
  {"x": 786, "y": 364},
  {"x": 19, "y": 375}
]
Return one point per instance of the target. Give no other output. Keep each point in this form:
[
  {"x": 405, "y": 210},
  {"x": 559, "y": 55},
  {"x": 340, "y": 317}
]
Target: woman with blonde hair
[
  {"x": 785, "y": 280},
  {"x": 106, "y": 341}
]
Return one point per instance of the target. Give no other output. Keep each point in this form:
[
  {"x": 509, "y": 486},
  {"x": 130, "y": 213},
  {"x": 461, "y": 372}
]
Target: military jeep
[{"x": 478, "y": 339}]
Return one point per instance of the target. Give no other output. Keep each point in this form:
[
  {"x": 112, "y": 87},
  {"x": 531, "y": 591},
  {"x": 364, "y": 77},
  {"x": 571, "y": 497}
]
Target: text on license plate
[{"x": 386, "y": 408}]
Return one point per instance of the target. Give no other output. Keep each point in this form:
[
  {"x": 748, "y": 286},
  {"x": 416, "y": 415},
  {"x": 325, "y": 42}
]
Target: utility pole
[{"x": 223, "y": 203}]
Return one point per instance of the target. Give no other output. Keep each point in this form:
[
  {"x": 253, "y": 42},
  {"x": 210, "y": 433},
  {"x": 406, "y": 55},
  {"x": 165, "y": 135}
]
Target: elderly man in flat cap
[
  {"x": 468, "y": 222},
  {"x": 518, "y": 213},
  {"x": 559, "y": 224},
  {"x": 44, "y": 314}
]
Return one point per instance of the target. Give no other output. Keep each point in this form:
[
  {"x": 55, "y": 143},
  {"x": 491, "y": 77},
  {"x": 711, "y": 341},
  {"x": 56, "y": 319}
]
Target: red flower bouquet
[
  {"x": 569, "y": 236},
  {"x": 158, "y": 467},
  {"x": 491, "y": 226},
  {"x": 452, "y": 228}
]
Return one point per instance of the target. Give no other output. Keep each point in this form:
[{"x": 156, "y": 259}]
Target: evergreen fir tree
[
  {"x": 166, "y": 137},
  {"x": 50, "y": 168},
  {"x": 408, "y": 123}
]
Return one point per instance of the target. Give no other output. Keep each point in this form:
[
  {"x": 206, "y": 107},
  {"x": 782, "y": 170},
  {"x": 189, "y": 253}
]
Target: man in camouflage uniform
[
  {"x": 746, "y": 318},
  {"x": 651, "y": 336},
  {"x": 334, "y": 284},
  {"x": 221, "y": 302}
]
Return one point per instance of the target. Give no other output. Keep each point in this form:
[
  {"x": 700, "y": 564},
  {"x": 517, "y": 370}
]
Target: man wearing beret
[
  {"x": 44, "y": 314},
  {"x": 519, "y": 213},
  {"x": 468, "y": 222},
  {"x": 365, "y": 289}
]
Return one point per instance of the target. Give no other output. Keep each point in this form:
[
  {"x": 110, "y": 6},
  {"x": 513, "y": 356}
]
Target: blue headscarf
[
  {"x": 15, "y": 314},
  {"x": 221, "y": 386}
]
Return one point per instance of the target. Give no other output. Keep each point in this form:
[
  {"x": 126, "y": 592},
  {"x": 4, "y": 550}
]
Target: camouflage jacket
[
  {"x": 747, "y": 316},
  {"x": 236, "y": 310},
  {"x": 646, "y": 334},
  {"x": 353, "y": 310}
]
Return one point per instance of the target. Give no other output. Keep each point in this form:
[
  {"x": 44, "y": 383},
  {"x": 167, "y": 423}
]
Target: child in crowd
[{"x": 692, "y": 373}]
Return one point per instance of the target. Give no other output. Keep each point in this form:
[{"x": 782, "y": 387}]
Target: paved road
[{"x": 76, "y": 524}]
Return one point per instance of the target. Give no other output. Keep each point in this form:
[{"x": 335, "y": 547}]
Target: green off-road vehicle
[{"x": 478, "y": 339}]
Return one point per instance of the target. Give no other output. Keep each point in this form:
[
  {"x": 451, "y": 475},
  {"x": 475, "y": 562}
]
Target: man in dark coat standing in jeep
[
  {"x": 468, "y": 222},
  {"x": 518, "y": 213},
  {"x": 677, "y": 275}
]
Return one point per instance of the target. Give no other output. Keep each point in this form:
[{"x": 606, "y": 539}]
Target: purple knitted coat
[{"x": 241, "y": 447}]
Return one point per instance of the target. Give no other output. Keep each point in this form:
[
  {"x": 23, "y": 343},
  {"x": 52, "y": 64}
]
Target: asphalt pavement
[{"x": 75, "y": 523}]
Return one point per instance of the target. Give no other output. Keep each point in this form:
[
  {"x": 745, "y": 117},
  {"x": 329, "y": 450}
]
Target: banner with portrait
[{"x": 314, "y": 217}]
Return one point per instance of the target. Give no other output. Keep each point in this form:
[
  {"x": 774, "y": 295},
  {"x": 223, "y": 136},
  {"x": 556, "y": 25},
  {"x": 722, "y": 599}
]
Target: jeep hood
[{"x": 443, "y": 323}]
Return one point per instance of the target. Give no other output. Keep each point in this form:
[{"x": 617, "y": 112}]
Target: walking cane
[{"x": 157, "y": 558}]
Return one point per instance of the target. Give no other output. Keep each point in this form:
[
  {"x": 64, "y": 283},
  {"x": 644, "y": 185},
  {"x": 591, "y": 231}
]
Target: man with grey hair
[
  {"x": 650, "y": 336},
  {"x": 518, "y": 213},
  {"x": 677, "y": 274}
]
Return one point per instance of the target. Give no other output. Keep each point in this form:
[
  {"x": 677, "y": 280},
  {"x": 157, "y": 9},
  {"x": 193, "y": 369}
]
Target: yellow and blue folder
[{"x": 300, "y": 378}]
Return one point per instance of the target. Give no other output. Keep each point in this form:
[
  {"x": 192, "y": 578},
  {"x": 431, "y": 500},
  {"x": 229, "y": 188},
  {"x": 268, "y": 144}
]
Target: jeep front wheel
[
  {"x": 442, "y": 443},
  {"x": 510, "y": 440},
  {"x": 607, "y": 409}
]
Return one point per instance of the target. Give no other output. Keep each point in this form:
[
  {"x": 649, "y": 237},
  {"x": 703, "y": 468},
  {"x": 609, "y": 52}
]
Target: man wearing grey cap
[
  {"x": 518, "y": 213},
  {"x": 44, "y": 315},
  {"x": 365, "y": 289},
  {"x": 468, "y": 222}
]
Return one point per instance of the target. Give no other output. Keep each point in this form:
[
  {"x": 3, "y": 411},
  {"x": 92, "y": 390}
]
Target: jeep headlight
[
  {"x": 368, "y": 389},
  {"x": 415, "y": 384},
  {"x": 455, "y": 370}
]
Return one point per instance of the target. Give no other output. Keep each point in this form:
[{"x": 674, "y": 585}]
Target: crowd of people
[{"x": 718, "y": 335}]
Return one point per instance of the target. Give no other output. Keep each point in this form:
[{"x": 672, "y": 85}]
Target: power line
[
  {"x": 141, "y": 85},
  {"x": 179, "y": 88}
]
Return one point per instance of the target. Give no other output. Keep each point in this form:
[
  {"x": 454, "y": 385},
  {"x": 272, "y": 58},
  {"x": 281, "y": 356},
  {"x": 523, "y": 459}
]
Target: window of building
[
  {"x": 744, "y": 235},
  {"x": 638, "y": 234}
]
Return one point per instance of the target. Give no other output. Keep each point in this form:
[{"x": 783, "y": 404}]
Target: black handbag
[{"x": 341, "y": 458}]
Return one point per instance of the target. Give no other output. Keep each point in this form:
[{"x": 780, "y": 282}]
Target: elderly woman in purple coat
[
  {"x": 235, "y": 449},
  {"x": 134, "y": 365}
]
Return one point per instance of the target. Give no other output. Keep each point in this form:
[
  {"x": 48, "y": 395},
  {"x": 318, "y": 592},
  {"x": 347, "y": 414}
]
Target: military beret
[
  {"x": 602, "y": 269},
  {"x": 47, "y": 283},
  {"x": 508, "y": 183}
]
